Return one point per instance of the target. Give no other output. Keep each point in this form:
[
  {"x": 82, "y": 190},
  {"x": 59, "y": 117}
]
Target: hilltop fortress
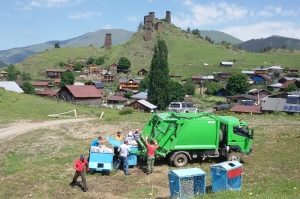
[{"x": 150, "y": 23}]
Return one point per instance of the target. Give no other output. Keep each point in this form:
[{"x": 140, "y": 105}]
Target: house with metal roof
[
  {"x": 260, "y": 78},
  {"x": 143, "y": 106},
  {"x": 77, "y": 94},
  {"x": 226, "y": 64},
  {"x": 98, "y": 84},
  {"x": 140, "y": 96},
  {"x": 42, "y": 84},
  {"x": 116, "y": 100},
  {"x": 238, "y": 98},
  {"x": 289, "y": 105},
  {"x": 11, "y": 86},
  {"x": 246, "y": 109},
  {"x": 275, "y": 87}
]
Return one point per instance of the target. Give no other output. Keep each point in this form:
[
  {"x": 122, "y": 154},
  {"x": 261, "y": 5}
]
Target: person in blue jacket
[{"x": 97, "y": 141}]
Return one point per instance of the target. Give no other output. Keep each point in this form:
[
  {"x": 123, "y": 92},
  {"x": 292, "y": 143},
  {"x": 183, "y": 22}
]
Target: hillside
[
  {"x": 218, "y": 37},
  {"x": 187, "y": 53},
  {"x": 256, "y": 45},
  {"x": 96, "y": 38}
]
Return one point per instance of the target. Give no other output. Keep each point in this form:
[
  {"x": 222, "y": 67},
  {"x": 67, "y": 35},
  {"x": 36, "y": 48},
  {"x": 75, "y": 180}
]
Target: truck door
[{"x": 240, "y": 137}]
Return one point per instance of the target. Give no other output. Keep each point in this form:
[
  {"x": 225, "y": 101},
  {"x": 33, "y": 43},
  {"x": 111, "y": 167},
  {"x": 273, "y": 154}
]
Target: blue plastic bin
[
  {"x": 113, "y": 142},
  {"x": 187, "y": 183},
  {"x": 226, "y": 176},
  {"x": 132, "y": 158},
  {"x": 101, "y": 161}
]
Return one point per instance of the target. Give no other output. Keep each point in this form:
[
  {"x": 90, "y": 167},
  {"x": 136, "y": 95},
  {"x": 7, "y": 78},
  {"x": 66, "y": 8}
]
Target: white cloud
[
  {"x": 133, "y": 18},
  {"x": 84, "y": 15},
  {"x": 107, "y": 26},
  {"x": 263, "y": 29},
  {"x": 278, "y": 10},
  {"x": 264, "y": 13},
  {"x": 52, "y": 3},
  {"x": 22, "y": 6},
  {"x": 213, "y": 13}
]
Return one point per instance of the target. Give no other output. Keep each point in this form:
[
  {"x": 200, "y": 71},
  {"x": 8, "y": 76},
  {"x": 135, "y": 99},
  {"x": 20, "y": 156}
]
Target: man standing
[
  {"x": 137, "y": 134},
  {"x": 116, "y": 152},
  {"x": 124, "y": 150},
  {"x": 151, "y": 148},
  {"x": 79, "y": 165}
]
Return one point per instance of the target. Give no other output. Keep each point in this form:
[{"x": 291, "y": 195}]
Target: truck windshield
[{"x": 241, "y": 130}]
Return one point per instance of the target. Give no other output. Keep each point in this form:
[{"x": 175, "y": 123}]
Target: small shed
[
  {"x": 143, "y": 106},
  {"x": 226, "y": 64},
  {"x": 142, "y": 72},
  {"x": 42, "y": 84},
  {"x": 246, "y": 109},
  {"x": 97, "y": 84},
  {"x": 116, "y": 100}
]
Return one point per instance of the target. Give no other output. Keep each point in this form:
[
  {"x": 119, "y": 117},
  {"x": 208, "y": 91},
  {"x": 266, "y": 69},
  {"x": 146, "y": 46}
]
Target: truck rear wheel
[
  {"x": 180, "y": 160},
  {"x": 233, "y": 156}
]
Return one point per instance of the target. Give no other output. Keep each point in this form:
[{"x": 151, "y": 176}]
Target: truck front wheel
[
  {"x": 180, "y": 160},
  {"x": 233, "y": 156}
]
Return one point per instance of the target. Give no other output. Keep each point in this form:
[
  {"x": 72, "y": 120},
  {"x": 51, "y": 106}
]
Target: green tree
[
  {"x": 61, "y": 64},
  {"x": 28, "y": 88},
  {"x": 140, "y": 26},
  {"x": 91, "y": 60},
  {"x": 177, "y": 91},
  {"x": 291, "y": 87},
  {"x": 144, "y": 84},
  {"x": 25, "y": 77},
  {"x": 67, "y": 78},
  {"x": 124, "y": 63},
  {"x": 212, "y": 88},
  {"x": 189, "y": 87},
  {"x": 56, "y": 45},
  {"x": 77, "y": 67},
  {"x": 237, "y": 84},
  {"x": 128, "y": 94},
  {"x": 188, "y": 30},
  {"x": 159, "y": 92},
  {"x": 99, "y": 61},
  {"x": 12, "y": 73}
]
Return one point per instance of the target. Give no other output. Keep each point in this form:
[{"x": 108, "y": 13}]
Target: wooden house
[
  {"x": 142, "y": 72},
  {"x": 143, "y": 106},
  {"x": 113, "y": 69},
  {"x": 3, "y": 73},
  {"x": 238, "y": 98},
  {"x": 249, "y": 74},
  {"x": 122, "y": 91},
  {"x": 42, "y": 84},
  {"x": 94, "y": 69},
  {"x": 116, "y": 100},
  {"x": 97, "y": 84},
  {"x": 223, "y": 75},
  {"x": 261, "y": 71},
  {"x": 132, "y": 84},
  {"x": 108, "y": 78},
  {"x": 55, "y": 73},
  {"x": 293, "y": 70},
  {"x": 81, "y": 95},
  {"x": 175, "y": 76}
]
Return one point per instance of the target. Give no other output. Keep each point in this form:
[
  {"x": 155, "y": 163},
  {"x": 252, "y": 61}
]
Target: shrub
[{"x": 126, "y": 110}]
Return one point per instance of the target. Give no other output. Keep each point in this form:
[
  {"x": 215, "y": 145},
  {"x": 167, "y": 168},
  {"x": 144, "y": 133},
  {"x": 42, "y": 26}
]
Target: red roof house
[{"x": 246, "y": 109}]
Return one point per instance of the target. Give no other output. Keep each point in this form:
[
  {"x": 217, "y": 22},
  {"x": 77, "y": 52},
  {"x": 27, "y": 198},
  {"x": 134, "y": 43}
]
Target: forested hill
[{"x": 258, "y": 45}]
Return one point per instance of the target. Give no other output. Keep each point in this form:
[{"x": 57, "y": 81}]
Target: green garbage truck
[{"x": 184, "y": 136}]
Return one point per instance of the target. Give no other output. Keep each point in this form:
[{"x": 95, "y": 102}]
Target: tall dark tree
[
  {"x": 188, "y": 30},
  {"x": 25, "y": 77},
  {"x": 124, "y": 63},
  {"x": 91, "y": 60},
  {"x": 56, "y": 45},
  {"x": 237, "y": 84},
  {"x": 144, "y": 84},
  {"x": 67, "y": 78},
  {"x": 159, "y": 91},
  {"x": 12, "y": 73},
  {"x": 140, "y": 26},
  {"x": 99, "y": 61}
]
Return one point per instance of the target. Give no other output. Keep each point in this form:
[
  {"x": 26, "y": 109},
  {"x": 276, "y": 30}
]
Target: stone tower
[
  {"x": 168, "y": 16},
  {"x": 148, "y": 34},
  {"x": 151, "y": 17},
  {"x": 159, "y": 27},
  {"x": 107, "y": 42}
]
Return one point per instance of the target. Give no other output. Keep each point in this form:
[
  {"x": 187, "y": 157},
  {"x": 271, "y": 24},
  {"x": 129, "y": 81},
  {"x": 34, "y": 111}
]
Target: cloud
[
  {"x": 263, "y": 29},
  {"x": 48, "y": 3},
  {"x": 208, "y": 14},
  {"x": 22, "y": 6},
  {"x": 264, "y": 13},
  {"x": 133, "y": 18},
  {"x": 84, "y": 15},
  {"x": 107, "y": 26}
]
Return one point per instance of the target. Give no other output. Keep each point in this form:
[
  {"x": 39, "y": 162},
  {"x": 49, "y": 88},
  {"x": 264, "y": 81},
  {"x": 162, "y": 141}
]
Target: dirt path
[{"x": 20, "y": 128}]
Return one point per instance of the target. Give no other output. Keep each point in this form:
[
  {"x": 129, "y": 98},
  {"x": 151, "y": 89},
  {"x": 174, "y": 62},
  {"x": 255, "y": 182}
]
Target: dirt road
[{"x": 20, "y": 128}]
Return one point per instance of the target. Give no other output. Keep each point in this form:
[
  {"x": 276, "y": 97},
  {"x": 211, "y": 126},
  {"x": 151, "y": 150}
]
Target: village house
[
  {"x": 260, "y": 78},
  {"x": 223, "y": 75},
  {"x": 97, "y": 84},
  {"x": 140, "y": 96},
  {"x": 143, "y": 106},
  {"x": 52, "y": 94},
  {"x": 113, "y": 69},
  {"x": 261, "y": 71},
  {"x": 284, "y": 79},
  {"x": 175, "y": 76},
  {"x": 132, "y": 84},
  {"x": 293, "y": 70},
  {"x": 226, "y": 64},
  {"x": 3, "y": 73},
  {"x": 108, "y": 78},
  {"x": 55, "y": 73},
  {"x": 288, "y": 82},
  {"x": 117, "y": 100},
  {"x": 142, "y": 72},
  {"x": 56, "y": 82},
  {"x": 80, "y": 95},
  {"x": 199, "y": 79},
  {"x": 93, "y": 69},
  {"x": 70, "y": 66},
  {"x": 275, "y": 87},
  {"x": 246, "y": 109},
  {"x": 122, "y": 91},
  {"x": 10, "y": 86},
  {"x": 42, "y": 84},
  {"x": 290, "y": 105},
  {"x": 249, "y": 73},
  {"x": 273, "y": 69},
  {"x": 237, "y": 99}
]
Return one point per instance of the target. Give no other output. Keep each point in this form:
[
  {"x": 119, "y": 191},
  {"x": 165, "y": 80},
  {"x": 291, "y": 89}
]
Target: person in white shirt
[{"x": 124, "y": 150}]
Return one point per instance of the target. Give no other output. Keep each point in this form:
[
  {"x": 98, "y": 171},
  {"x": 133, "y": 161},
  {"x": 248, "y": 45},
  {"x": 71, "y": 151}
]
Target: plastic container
[
  {"x": 226, "y": 176},
  {"x": 132, "y": 158},
  {"x": 187, "y": 183},
  {"x": 101, "y": 161}
]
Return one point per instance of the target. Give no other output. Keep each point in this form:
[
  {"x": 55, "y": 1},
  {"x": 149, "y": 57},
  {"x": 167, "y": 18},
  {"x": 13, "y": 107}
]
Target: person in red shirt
[
  {"x": 151, "y": 148},
  {"x": 79, "y": 165}
]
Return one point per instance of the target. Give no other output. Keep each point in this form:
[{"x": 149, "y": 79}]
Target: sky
[{"x": 29, "y": 22}]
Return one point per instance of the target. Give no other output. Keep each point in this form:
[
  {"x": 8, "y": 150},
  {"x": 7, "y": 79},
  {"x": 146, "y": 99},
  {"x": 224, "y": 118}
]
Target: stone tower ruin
[
  {"x": 168, "y": 16},
  {"x": 152, "y": 16},
  {"x": 159, "y": 27},
  {"x": 107, "y": 42}
]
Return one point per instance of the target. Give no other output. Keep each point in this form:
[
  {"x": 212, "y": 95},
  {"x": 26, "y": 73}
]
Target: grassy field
[
  {"x": 187, "y": 53},
  {"x": 38, "y": 164}
]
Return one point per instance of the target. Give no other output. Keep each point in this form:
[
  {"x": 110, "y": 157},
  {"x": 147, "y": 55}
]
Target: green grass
[{"x": 187, "y": 54}]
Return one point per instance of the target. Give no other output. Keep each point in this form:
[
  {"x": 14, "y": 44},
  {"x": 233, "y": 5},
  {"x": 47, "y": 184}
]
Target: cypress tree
[{"x": 159, "y": 93}]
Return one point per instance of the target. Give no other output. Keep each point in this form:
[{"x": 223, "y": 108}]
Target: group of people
[{"x": 120, "y": 155}]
